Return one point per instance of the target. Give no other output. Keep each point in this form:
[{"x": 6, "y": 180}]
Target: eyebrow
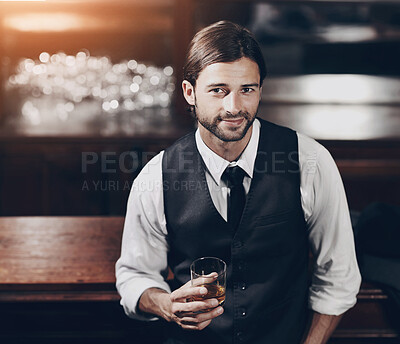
[{"x": 224, "y": 85}]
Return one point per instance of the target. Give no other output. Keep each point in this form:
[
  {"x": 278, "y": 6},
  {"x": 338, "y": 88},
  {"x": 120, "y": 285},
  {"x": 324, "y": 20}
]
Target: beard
[{"x": 229, "y": 134}]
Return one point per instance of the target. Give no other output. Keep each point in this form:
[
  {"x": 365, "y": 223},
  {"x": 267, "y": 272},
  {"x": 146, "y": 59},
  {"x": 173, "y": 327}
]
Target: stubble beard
[{"x": 227, "y": 135}]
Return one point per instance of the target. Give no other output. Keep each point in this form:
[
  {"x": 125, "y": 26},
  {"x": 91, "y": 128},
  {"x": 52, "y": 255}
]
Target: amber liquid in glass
[{"x": 214, "y": 292}]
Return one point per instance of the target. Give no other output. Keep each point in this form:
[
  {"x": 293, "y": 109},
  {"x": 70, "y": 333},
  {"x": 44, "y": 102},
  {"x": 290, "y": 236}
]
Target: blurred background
[{"x": 90, "y": 91}]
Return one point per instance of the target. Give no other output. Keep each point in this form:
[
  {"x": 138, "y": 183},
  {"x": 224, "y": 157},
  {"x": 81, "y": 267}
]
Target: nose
[{"x": 232, "y": 103}]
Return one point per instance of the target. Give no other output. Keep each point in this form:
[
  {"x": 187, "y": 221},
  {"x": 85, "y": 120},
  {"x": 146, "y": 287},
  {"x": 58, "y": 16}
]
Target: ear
[
  {"x": 188, "y": 92},
  {"x": 260, "y": 93}
]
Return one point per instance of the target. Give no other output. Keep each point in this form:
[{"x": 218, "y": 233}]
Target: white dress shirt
[{"x": 336, "y": 278}]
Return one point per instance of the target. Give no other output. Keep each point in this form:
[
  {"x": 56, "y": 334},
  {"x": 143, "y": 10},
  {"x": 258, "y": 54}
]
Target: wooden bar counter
[
  {"x": 50, "y": 264},
  {"x": 59, "y": 258}
]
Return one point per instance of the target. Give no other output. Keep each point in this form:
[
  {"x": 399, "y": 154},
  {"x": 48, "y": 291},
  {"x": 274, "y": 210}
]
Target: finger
[
  {"x": 205, "y": 279},
  {"x": 204, "y": 324},
  {"x": 195, "y": 327},
  {"x": 202, "y": 317},
  {"x": 184, "y": 293},
  {"x": 181, "y": 309}
]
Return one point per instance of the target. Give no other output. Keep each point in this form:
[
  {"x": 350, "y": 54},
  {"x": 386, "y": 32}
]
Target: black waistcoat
[{"x": 267, "y": 256}]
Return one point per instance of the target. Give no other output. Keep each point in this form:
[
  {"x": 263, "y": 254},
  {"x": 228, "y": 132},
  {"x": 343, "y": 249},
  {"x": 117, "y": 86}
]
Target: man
[{"x": 252, "y": 193}]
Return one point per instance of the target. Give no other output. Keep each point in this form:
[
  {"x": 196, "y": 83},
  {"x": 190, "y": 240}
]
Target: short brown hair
[{"x": 223, "y": 41}]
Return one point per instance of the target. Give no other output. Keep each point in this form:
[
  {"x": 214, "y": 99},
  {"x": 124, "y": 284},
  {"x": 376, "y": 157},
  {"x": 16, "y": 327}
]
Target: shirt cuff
[
  {"x": 131, "y": 293},
  {"x": 322, "y": 301}
]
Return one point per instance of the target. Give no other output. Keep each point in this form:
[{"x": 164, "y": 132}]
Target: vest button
[
  {"x": 239, "y": 334},
  {"x": 243, "y": 286}
]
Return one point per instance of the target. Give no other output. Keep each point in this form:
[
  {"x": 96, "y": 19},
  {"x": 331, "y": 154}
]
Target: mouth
[{"x": 234, "y": 122}]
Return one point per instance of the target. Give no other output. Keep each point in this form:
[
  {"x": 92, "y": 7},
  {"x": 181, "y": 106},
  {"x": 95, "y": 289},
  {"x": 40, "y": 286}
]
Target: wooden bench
[{"x": 56, "y": 261}]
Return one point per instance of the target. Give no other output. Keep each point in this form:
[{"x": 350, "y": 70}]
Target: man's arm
[
  {"x": 143, "y": 261},
  {"x": 320, "y": 328},
  {"x": 336, "y": 278}
]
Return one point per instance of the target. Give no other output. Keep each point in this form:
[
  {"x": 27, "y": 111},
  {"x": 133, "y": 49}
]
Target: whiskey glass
[{"x": 209, "y": 272}]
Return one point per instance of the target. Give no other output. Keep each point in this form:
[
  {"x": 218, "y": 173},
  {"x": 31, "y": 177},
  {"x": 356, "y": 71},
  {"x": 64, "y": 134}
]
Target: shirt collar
[{"x": 217, "y": 165}]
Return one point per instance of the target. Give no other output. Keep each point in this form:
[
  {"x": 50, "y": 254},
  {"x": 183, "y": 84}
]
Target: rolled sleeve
[
  {"x": 132, "y": 291},
  {"x": 336, "y": 278}
]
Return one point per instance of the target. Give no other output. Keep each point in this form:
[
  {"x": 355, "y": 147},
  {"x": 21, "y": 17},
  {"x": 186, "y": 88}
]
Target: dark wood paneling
[
  {"x": 40, "y": 179},
  {"x": 22, "y": 181}
]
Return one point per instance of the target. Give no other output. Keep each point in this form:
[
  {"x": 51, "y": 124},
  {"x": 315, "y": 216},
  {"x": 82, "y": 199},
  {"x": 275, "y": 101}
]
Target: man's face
[{"x": 226, "y": 98}]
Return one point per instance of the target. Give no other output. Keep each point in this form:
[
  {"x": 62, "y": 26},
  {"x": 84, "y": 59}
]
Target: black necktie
[{"x": 233, "y": 176}]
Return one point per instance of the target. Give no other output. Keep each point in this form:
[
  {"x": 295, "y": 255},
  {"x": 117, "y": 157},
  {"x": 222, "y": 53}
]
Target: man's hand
[
  {"x": 193, "y": 315},
  {"x": 178, "y": 307}
]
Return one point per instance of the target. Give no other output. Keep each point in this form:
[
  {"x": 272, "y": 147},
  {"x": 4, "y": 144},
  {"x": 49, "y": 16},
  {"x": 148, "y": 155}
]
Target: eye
[
  {"x": 217, "y": 90},
  {"x": 247, "y": 90}
]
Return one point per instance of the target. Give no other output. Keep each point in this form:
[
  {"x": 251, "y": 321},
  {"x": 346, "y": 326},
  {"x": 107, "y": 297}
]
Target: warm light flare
[{"x": 37, "y": 22}]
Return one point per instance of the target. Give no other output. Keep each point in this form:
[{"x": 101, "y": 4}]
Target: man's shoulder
[
  {"x": 271, "y": 127},
  {"x": 176, "y": 154},
  {"x": 312, "y": 153},
  {"x": 307, "y": 143},
  {"x": 181, "y": 143},
  {"x": 276, "y": 137},
  {"x": 151, "y": 171}
]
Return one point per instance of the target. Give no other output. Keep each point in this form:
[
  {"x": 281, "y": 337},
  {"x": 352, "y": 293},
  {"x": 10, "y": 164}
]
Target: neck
[{"x": 229, "y": 151}]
